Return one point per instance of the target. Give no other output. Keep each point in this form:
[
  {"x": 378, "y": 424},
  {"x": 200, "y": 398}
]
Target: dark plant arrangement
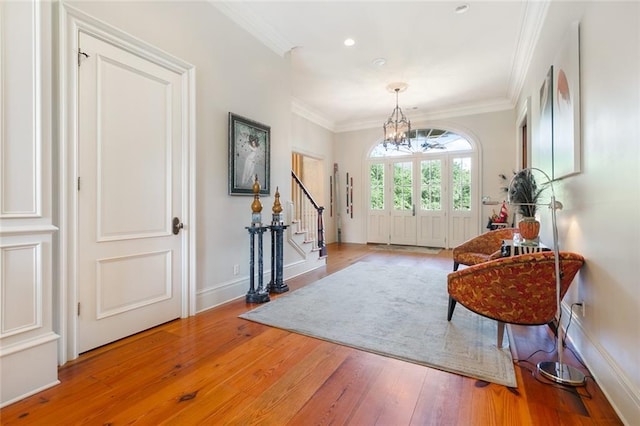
[
  {"x": 524, "y": 193},
  {"x": 505, "y": 182}
]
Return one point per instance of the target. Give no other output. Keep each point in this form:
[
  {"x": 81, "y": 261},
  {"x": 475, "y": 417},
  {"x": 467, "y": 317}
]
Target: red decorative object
[{"x": 504, "y": 213}]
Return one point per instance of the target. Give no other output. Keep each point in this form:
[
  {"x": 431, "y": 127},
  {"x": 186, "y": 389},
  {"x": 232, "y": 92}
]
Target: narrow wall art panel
[
  {"x": 542, "y": 149},
  {"x": 566, "y": 105}
]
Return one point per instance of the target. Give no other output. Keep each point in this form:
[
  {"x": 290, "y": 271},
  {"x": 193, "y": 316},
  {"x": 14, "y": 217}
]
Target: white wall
[
  {"x": 599, "y": 219},
  {"x": 494, "y": 133}
]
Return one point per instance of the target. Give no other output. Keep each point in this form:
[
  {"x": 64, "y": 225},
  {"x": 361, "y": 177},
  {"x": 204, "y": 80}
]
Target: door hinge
[
  {"x": 78, "y": 183},
  {"x": 78, "y": 308},
  {"x": 80, "y": 55}
]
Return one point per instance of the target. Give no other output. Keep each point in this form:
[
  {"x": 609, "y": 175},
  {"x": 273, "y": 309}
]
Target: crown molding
[
  {"x": 532, "y": 22},
  {"x": 254, "y": 25},
  {"x": 444, "y": 113},
  {"x": 300, "y": 108}
]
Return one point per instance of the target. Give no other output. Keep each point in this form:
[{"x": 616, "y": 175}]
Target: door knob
[{"x": 177, "y": 226}]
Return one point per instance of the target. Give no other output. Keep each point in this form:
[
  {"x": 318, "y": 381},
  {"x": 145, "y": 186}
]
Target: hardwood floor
[{"x": 215, "y": 368}]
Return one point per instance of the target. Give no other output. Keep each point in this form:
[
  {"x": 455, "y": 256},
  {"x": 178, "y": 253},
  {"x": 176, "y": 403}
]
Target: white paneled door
[
  {"x": 463, "y": 213},
  {"x": 403, "y": 208},
  {"x": 433, "y": 205},
  {"x": 129, "y": 192}
]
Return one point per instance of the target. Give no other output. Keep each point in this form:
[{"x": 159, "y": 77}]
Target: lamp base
[{"x": 562, "y": 373}]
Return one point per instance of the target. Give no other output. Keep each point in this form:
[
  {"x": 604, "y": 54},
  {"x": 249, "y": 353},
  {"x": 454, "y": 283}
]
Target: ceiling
[{"x": 453, "y": 63}]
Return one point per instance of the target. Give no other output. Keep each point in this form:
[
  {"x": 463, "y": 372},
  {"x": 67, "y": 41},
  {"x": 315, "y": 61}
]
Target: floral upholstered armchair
[
  {"x": 482, "y": 248},
  {"x": 513, "y": 290}
]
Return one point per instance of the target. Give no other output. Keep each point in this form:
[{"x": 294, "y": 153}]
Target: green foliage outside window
[
  {"x": 431, "y": 185},
  {"x": 377, "y": 186},
  {"x": 403, "y": 186},
  {"x": 462, "y": 184}
]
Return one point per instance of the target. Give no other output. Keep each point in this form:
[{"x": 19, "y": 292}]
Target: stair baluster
[{"x": 308, "y": 215}]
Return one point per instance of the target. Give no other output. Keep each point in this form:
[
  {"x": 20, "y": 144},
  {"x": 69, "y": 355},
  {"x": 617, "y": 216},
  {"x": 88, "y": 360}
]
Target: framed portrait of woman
[{"x": 249, "y": 144}]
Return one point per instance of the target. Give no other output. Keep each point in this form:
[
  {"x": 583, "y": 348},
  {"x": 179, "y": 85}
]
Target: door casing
[{"x": 71, "y": 22}]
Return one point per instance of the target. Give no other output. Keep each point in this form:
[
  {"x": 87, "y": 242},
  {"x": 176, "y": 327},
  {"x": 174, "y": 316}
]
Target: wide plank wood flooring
[{"x": 216, "y": 369}]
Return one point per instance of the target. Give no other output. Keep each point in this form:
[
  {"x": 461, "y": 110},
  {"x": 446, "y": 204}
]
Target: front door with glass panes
[
  {"x": 402, "y": 223},
  {"x": 463, "y": 215},
  {"x": 423, "y": 195},
  {"x": 431, "y": 211}
]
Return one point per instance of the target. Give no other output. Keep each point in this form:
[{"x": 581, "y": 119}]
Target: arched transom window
[{"x": 425, "y": 141}]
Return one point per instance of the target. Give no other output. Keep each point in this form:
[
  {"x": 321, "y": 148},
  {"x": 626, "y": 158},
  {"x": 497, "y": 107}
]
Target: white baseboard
[
  {"x": 232, "y": 290},
  {"x": 28, "y": 368},
  {"x": 216, "y": 296},
  {"x": 304, "y": 266},
  {"x": 614, "y": 383}
]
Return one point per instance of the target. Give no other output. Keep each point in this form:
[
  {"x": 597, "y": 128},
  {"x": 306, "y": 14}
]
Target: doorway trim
[
  {"x": 71, "y": 22},
  {"x": 523, "y": 136}
]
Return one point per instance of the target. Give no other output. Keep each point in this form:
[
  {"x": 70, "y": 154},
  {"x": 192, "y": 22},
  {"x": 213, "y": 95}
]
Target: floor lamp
[{"x": 558, "y": 372}]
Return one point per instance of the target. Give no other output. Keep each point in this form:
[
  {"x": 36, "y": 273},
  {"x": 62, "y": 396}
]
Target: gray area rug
[
  {"x": 406, "y": 249},
  {"x": 394, "y": 311}
]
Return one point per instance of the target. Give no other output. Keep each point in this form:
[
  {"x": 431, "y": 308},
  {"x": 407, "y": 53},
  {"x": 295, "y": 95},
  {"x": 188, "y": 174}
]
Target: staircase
[{"x": 306, "y": 232}]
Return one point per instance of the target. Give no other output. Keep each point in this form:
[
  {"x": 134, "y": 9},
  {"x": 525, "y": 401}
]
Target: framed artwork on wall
[
  {"x": 249, "y": 146},
  {"x": 566, "y": 106},
  {"x": 542, "y": 149}
]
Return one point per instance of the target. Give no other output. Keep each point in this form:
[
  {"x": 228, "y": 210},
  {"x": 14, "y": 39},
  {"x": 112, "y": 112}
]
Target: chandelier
[{"x": 397, "y": 128}]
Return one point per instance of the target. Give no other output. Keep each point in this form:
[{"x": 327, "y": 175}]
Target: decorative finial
[
  {"x": 277, "y": 210},
  {"x": 277, "y": 207},
  {"x": 256, "y": 205}
]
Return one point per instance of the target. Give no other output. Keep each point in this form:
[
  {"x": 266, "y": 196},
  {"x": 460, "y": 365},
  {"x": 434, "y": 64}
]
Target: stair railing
[{"x": 307, "y": 215}]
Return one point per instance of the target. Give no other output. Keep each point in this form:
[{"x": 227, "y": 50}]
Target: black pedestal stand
[
  {"x": 259, "y": 295},
  {"x": 277, "y": 285}
]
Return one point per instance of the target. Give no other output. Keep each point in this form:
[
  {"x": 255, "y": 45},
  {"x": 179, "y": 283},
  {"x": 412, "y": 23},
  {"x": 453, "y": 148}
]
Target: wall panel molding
[
  {"x": 28, "y": 230},
  {"x": 28, "y": 343},
  {"x": 21, "y": 109},
  {"x": 20, "y": 288},
  {"x": 114, "y": 272}
]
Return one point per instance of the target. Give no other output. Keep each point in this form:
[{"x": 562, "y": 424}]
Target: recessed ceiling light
[
  {"x": 349, "y": 42},
  {"x": 379, "y": 62},
  {"x": 462, "y": 8}
]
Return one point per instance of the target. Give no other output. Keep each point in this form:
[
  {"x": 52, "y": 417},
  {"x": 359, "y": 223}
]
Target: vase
[{"x": 529, "y": 228}]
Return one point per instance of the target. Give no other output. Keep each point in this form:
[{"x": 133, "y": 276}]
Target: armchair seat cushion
[
  {"x": 482, "y": 248},
  {"x": 470, "y": 258}
]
